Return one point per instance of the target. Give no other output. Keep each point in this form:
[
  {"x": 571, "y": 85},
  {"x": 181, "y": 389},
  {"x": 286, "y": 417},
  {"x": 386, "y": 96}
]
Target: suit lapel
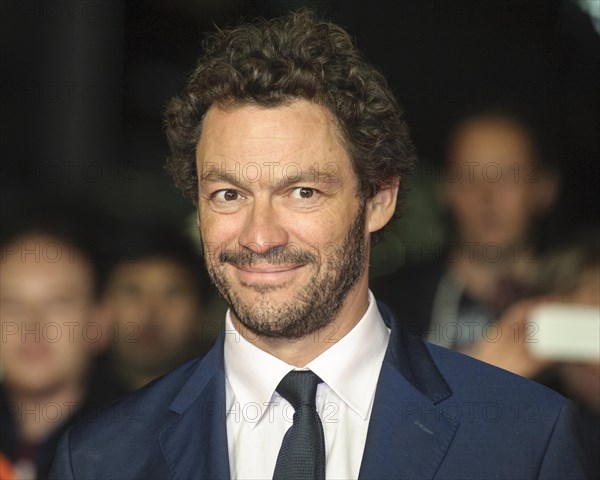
[
  {"x": 194, "y": 442},
  {"x": 408, "y": 436}
]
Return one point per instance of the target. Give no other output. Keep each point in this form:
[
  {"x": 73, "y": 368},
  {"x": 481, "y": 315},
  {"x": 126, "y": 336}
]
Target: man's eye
[
  {"x": 131, "y": 290},
  {"x": 226, "y": 195},
  {"x": 10, "y": 308},
  {"x": 59, "y": 304},
  {"x": 303, "y": 192}
]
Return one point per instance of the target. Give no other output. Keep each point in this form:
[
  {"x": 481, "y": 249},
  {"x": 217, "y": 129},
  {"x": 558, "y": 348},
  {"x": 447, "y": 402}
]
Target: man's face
[
  {"x": 155, "y": 307},
  {"x": 493, "y": 183},
  {"x": 46, "y": 308},
  {"x": 282, "y": 224}
]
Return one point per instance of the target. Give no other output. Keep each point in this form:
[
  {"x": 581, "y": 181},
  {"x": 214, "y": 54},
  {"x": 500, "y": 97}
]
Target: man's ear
[
  {"x": 547, "y": 190},
  {"x": 101, "y": 318},
  {"x": 381, "y": 207},
  {"x": 444, "y": 192}
]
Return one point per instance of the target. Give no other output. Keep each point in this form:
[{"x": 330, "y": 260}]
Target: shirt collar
[
  {"x": 351, "y": 366},
  {"x": 254, "y": 374}
]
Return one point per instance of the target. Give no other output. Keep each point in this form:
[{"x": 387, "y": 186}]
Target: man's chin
[
  {"x": 257, "y": 309},
  {"x": 271, "y": 330},
  {"x": 251, "y": 294}
]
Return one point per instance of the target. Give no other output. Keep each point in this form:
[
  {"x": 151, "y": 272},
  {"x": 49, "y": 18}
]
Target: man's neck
[
  {"x": 38, "y": 414},
  {"x": 300, "y": 352}
]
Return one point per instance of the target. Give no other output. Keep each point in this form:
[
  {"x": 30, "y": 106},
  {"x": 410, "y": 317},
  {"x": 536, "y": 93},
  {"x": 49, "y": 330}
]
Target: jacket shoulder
[
  {"x": 472, "y": 378},
  {"x": 534, "y": 426},
  {"x": 134, "y": 415}
]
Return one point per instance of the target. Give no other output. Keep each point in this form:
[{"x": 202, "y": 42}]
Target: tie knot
[{"x": 299, "y": 387}]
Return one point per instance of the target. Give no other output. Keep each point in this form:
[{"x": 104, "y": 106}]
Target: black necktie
[{"x": 302, "y": 453}]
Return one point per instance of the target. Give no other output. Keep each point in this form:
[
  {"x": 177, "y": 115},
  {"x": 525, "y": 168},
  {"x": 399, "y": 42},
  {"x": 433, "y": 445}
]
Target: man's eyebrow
[
  {"x": 291, "y": 176},
  {"x": 215, "y": 176},
  {"x": 309, "y": 176}
]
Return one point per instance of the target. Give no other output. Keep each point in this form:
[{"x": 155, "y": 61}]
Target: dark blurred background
[
  {"x": 82, "y": 90},
  {"x": 84, "y": 84}
]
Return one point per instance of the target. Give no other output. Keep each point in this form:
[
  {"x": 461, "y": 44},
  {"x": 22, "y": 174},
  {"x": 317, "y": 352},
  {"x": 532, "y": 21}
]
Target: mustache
[{"x": 246, "y": 257}]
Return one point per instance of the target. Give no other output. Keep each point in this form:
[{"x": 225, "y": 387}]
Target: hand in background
[{"x": 510, "y": 351}]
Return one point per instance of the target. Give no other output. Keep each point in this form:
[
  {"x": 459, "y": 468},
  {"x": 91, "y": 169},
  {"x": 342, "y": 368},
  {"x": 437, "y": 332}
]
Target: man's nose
[
  {"x": 489, "y": 194},
  {"x": 152, "y": 302},
  {"x": 34, "y": 321},
  {"x": 262, "y": 229}
]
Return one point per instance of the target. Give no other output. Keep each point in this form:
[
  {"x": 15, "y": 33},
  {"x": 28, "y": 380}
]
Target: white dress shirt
[{"x": 258, "y": 417}]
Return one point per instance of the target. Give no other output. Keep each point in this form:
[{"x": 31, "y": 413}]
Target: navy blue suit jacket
[{"x": 437, "y": 414}]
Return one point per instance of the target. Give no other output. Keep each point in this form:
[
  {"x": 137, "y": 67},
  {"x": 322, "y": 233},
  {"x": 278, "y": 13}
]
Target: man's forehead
[
  {"x": 48, "y": 276},
  {"x": 302, "y": 133},
  {"x": 297, "y": 122},
  {"x": 493, "y": 132},
  {"x": 42, "y": 248},
  {"x": 159, "y": 266}
]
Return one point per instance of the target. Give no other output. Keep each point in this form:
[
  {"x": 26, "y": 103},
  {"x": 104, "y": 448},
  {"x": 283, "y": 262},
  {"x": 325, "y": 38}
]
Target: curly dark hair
[{"x": 274, "y": 62}]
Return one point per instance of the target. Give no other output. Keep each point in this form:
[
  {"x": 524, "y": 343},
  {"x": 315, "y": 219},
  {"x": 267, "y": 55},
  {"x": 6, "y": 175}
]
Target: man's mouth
[
  {"x": 267, "y": 268},
  {"x": 34, "y": 352},
  {"x": 266, "y": 272}
]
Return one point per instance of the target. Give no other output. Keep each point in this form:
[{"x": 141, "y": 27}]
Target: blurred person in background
[
  {"x": 6, "y": 469},
  {"x": 52, "y": 327},
  {"x": 495, "y": 184},
  {"x": 569, "y": 275},
  {"x": 155, "y": 296}
]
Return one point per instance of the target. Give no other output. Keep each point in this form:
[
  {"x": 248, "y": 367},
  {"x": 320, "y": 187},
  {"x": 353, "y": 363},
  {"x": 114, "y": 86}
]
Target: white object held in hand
[{"x": 566, "y": 332}]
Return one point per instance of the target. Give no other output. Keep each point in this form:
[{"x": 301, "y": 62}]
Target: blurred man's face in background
[
  {"x": 154, "y": 307},
  {"x": 47, "y": 310},
  {"x": 494, "y": 185}
]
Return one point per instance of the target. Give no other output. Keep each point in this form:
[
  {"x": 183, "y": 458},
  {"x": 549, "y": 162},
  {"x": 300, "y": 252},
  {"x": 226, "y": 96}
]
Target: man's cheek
[{"x": 211, "y": 253}]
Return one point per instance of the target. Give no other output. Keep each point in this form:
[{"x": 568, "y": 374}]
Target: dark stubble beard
[{"x": 315, "y": 305}]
